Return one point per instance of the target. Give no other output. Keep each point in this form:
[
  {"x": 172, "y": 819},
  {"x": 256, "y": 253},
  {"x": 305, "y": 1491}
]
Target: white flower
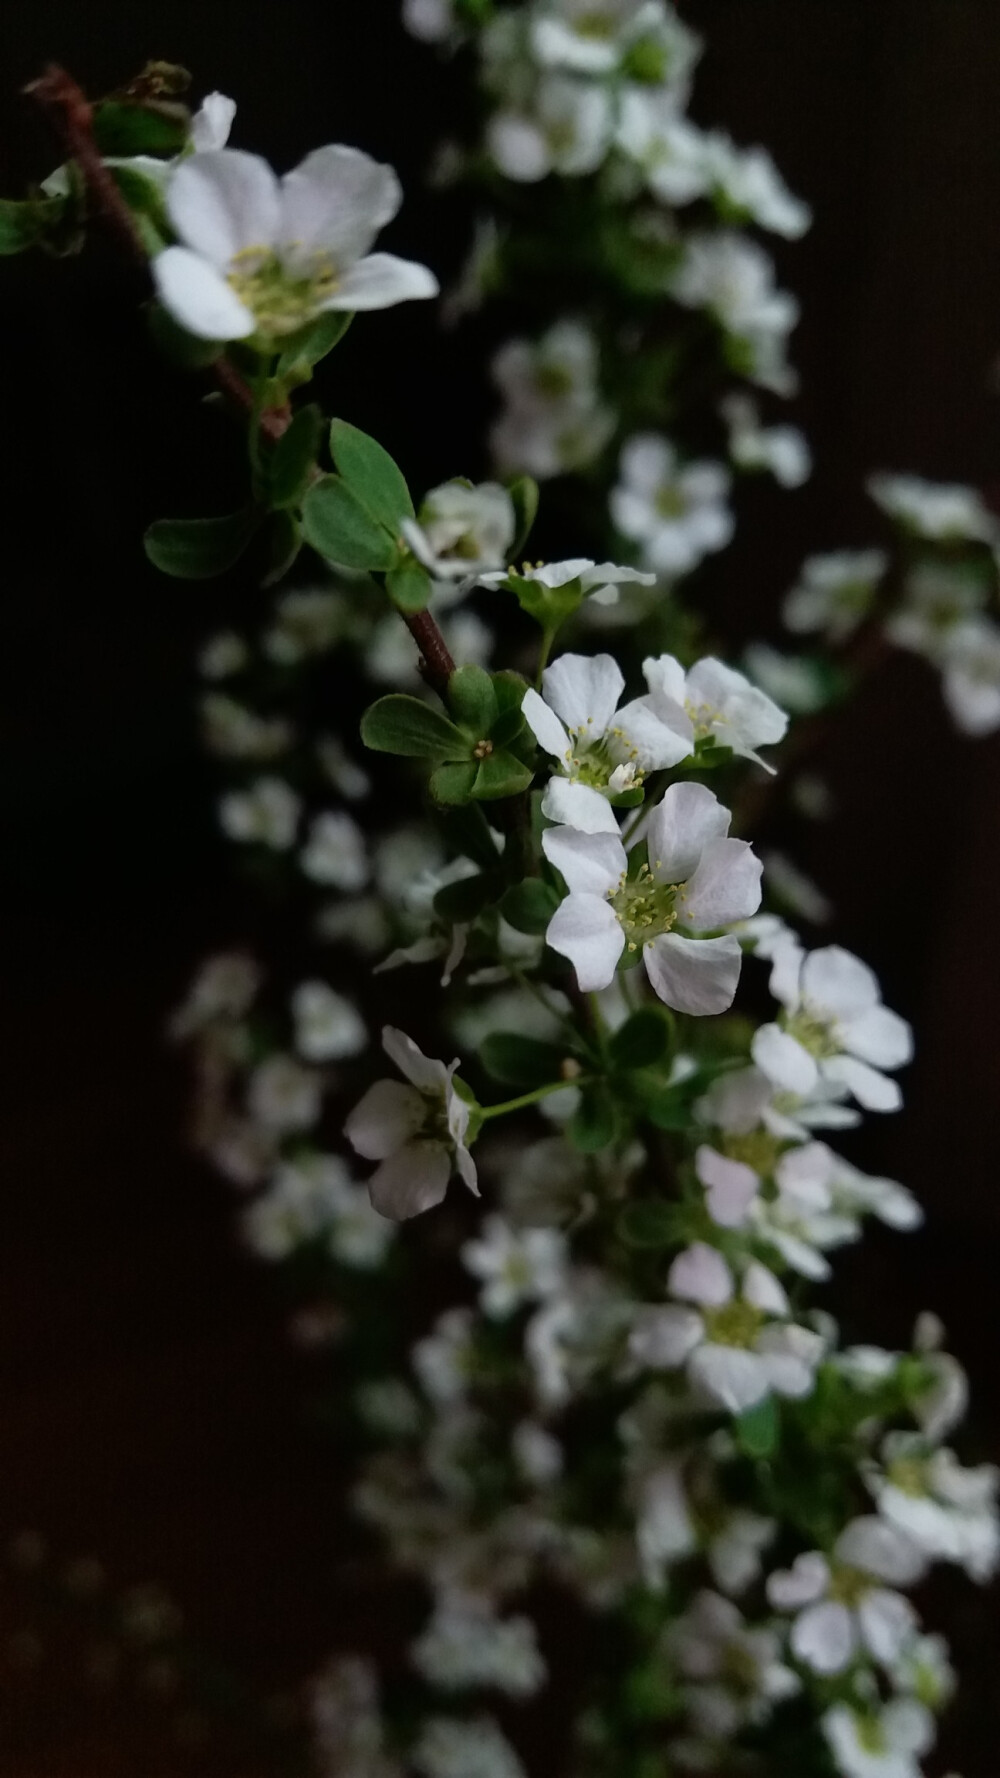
[
  {"x": 416, "y": 1131},
  {"x": 566, "y": 129},
  {"x": 267, "y": 814},
  {"x": 595, "y": 37},
  {"x": 746, "y": 180},
  {"x": 327, "y": 1026},
  {"x": 225, "y": 988},
  {"x": 212, "y": 122},
  {"x": 284, "y": 1096},
  {"x": 537, "y": 1453},
  {"x": 715, "y": 702},
  {"x": 879, "y": 1742},
  {"x": 554, "y": 419},
  {"x": 667, "y": 147},
  {"x": 924, "y": 1670},
  {"x": 516, "y": 1266},
  {"x": 265, "y": 256},
  {"x": 465, "y": 1747},
  {"x": 462, "y": 529},
  {"x": 346, "y": 1721},
  {"x": 834, "y": 1028},
  {"x": 939, "y": 511},
  {"x": 796, "y": 681},
  {"x": 237, "y": 732},
  {"x": 734, "y": 1669},
  {"x": 677, "y": 513},
  {"x": 601, "y": 749},
  {"x": 696, "y": 881},
  {"x": 782, "y": 450},
  {"x": 223, "y": 654},
  {"x": 733, "y": 278},
  {"x": 465, "y": 1644},
  {"x": 316, "y": 1198},
  {"x": 737, "y": 1347},
  {"x": 847, "y": 1603},
  {"x": 432, "y": 21},
  {"x": 971, "y": 676},
  {"x": 344, "y": 773},
  {"x": 443, "y": 1359},
  {"x": 948, "y": 1512},
  {"x": 938, "y": 596},
  {"x": 835, "y": 592},
  {"x": 334, "y": 853},
  {"x": 307, "y": 622}
]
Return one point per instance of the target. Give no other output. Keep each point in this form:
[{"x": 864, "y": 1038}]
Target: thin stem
[
  {"x": 548, "y": 637},
  {"x": 436, "y": 663},
  {"x": 532, "y": 1098},
  {"x": 72, "y": 116}
]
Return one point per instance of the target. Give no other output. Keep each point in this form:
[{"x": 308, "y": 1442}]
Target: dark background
[{"x": 149, "y": 1403}]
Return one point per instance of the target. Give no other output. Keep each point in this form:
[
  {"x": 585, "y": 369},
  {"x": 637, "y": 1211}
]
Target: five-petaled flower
[
  {"x": 416, "y": 1130},
  {"x": 834, "y": 1028}
]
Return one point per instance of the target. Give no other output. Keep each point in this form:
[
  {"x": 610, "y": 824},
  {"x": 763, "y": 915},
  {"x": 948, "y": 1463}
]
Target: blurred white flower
[
  {"x": 266, "y": 814},
  {"x": 676, "y": 513},
  {"x": 328, "y": 1027}
]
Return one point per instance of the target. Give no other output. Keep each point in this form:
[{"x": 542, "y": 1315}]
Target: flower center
[
  {"x": 848, "y": 1586},
  {"x": 670, "y": 503},
  {"x": 597, "y": 25},
  {"x": 645, "y": 908},
  {"x": 871, "y": 1735},
  {"x": 553, "y": 381},
  {"x": 704, "y": 717},
  {"x": 757, "y": 1149},
  {"x": 279, "y": 302},
  {"x": 735, "y": 1324},
  {"x": 815, "y": 1034},
  {"x": 908, "y": 1474},
  {"x": 593, "y": 761}
]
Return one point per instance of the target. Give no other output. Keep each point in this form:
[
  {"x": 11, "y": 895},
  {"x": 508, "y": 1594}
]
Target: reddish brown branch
[
  {"x": 436, "y": 663},
  {"x": 72, "y": 117}
]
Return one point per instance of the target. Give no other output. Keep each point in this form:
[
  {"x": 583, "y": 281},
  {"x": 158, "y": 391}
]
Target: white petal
[
  {"x": 648, "y": 733},
  {"x": 665, "y": 675},
  {"x": 647, "y": 461},
  {"x": 611, "y": 574},
  {"x": 879, "y": 1036},
  {"x": 414, "y": 1179},
  {"x": 694, "y": 975},
  {"x": 380, "y": 281},
  {"x": 545, "y": 725},
  {"x": 731, "y": 1186},
  {"x": 725, "y": 887},
  {"x": 788, "y": 1372},
  {"x": 212, "y": 122},
  {"x": 687, "y": 819},
  {"x": 909, "y": 1726},
  {"x": 734, "y": 1378},
  {"x": 198, "y": 297},
  {"x": 333, "y": 204},
  {"x": 518, "y": 147},
  {"x": 222, "y": 202},
  {"x": 701, "y": 1275},
  {"x": 806, "y": 1581},
  {"x": 786, "y": 969},
  {"x": 665, "y": 1337},
  {"x": 875, "y": 1091},
  {"x": 878, "y": 1548},
  {"x": 592, "y": 863},
  {"x": 426, "y": 1072},
  {"x": 584, "y": 690},
  {"x": 585, "y": 929},
  {"x": 579, "y": 806},
  {"x": 824, "y": 1637},
  {"x": 387, "y": 1117},
  {"x": 837, "y": 982},
  {"x": 782, "y": 1058},
  {"x": 887, "y": 1622},
  {"x": 762, "y": 1289}
]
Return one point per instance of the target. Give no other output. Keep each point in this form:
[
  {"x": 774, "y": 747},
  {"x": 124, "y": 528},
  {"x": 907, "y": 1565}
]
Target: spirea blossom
[
  {"x": 834, "y": 1027},
  {"x": 677, "y": 513},
  {"x": 416, "y": 1130},
  {"x": 848, "y": 1603}
]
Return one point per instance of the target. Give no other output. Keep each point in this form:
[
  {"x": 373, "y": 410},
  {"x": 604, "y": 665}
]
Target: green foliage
[
  {"x": 342, "y": 530},
  {"x": 549, "y": 606},
  {"x": 477, "y": 765},
  {"x": 758, "y": 1429},
  {"x": 529, "y": 906},
  {"x": 594, "y": 1124},
  {"x": 472, "y": 699},
  {"x": 200, "y": 549},
  {"x": 370, "y": 473},
  {"x": 28, "y": 222},
  {"x": 284, "y": 540},
  {"x": 404, "y": 725},
  {"x": 523, "y": 1062},
  {"x": 648, "y": 1224},
  {"x": 310, "y": 345},
  {"x": 292, "y": 459},
  {"x": 408, "y": 586},
  {"x": 124, "y": 127},
  {"x": 524, "y": 497},
  {"x": 643, "y": 1040}
]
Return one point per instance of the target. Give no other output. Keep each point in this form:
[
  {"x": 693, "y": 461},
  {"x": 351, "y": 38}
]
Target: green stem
[
  {"x": 548, "y": 637},
  {"x": 532, "y": 1098}
]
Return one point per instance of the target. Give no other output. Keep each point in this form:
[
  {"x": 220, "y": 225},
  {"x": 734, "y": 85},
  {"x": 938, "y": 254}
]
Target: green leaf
[
  {"x": 123, "y": 127},
  {"x": 510, "y": 689},
  {"x": 405, "y": 725},
  {"x": 529, "y": 906},
  {"x": 642, "y": 1041},
  {"x": 509, "y": 730},
  {"x": 408, "y": 586},
  {"x": 200, "y": 549},
  {"x": 461, "y": 902},
  {"x": 500, "y": 775},
  {"x": 293, "y": 457},
  {"x": 472, "y": 700},
  {"x": 341, "y": 530},
  {"x": 284, "y": 541},
  {"x": 470, "y": 836},
  {"x": 649, "y": 1224},
  {"x": 667, "y": 1109},
  {"x": 594, "y": 1123},
  {"x": 454, "y": 783},
  {"x": 311, "y": 344},
  {"x": 520, "y": 1061},
  {"x": 549, "y": 606},
  {"x": 758, "y": 1429},
  {"x": 23, "y": 222},
  {"x": 371, "y": 475},
  {"x": 524, "y": 495}
]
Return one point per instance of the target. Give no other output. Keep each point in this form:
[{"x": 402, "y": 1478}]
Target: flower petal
[
  {"x": 380, "y": 281},
  {"x": 579, "y": 806},
  {"x": 410, "y": 1181},
  {"x": 763, "y": 1290},
  {"x": 585, "y": 929},
  {"x": 688, "y": 818},
  {"x": 725, "y": 886},
  {"x": 824, "y": 1637},
  {"x": 731, "y": 1186},
  {"x": 887, "y": 1621},
  {"x": 838, "y": 982},
  {"x": 665, "y": 1336},
  {"x": 782, "y": 1058},
  {"x": 734, "y": 1378},
  {"x": 879, "y": 1036},
  {"x": 877, "y": 1548},
  {"x": 700, "y": 1275},
  {"x": 545, "y": 726},
  {"x": 223, "y": 202},
  {"x": 387, "y": 1117},
  {"x": 875, "y": 1091},
  {"x": 333, "y": 205},
  {"x": 651, "y": 737},
  {"x": 592, "y": 863},
  {"x": 212, "y": 122},
  {"x": 426, "y": 1072},
  {"x": 584, "y": 690},
  {"x": 197, "y": 296},
  {"x": 694, "y": 975},
  {"x": 788, "y": 1589}
]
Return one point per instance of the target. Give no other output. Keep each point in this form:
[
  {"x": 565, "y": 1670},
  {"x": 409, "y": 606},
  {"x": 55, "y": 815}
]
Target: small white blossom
[
  {"x": 949, "y": 1512},
  {"x": 465, "y": 1644},
  {"x": 432, "y": 21},
  {"x": 225, "y": 988},
  {"x": 465, "y": 1747},
  {"x": 267, "y": 814},
  {"x": 676, "y": 512},
  {"x": 316, "y": 1199},
  {"x": 834, "y": 593},
  {"x": 746, "y": 180},
  {"x": 417, "y": 1131},
  {"x": 596, "y": 37},
  {"x": 443, "y": 1359},
  {"x": 537, "y": 1453},
  {"x": 715, "y": 702},
  {"x": 939, "y": 511},
  {"x": 733, "y": 278},
  {"x": 234, "y": 731},
  {"x": 344, "y": 773},
  {"x": 781, "y": 450},
  {"x": 264, "y": 257},
  {"x": 223, "y": 655},
  {"x": 515, "y": 1266},
  {"x": 554, "y": 419},
  {"x": 334, "y": 853},
  {"x": 795, "y": 681},
  {"x": 696, "y": 882},
  {"x": 834, "y": 1028},
  {"x": 971, "y": 676},
  {"x": 307, "y": 622},
  {"x": 284, "y": 1096},
  {"x": 847, "y": 1604},
  {"x": 733, "y": 1668},
  {"x": 566, "y": 128},
  {"x": 879, "y": 1742},
  {"x": 462, "y": 528},
  {"x": 665, "y": 145},
  {"x": 327, "y": 1026}
]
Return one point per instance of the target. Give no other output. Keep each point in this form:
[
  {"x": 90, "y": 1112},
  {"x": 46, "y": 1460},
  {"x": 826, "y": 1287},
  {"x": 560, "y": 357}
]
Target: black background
[{"x": 148, "y": 1402}]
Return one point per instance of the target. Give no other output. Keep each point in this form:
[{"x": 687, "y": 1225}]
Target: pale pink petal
[
  {"x": 887, "y": 1622},
  {"x": 426, "y": 1072},
  {"x": 806, "y": 1581},
  {"x": 413, "y": 1180},
  {"x": 824, "y": 1637},
  {"x": 763, "y": 1290}
]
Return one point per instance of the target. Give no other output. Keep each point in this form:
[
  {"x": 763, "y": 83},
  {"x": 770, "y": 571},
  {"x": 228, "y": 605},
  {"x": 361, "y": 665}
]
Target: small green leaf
[
  {"x": 341, "y": 530},
  {"x": 529, "y": 906},
  {"x": 649, "y": 1224},
  {"x": 642, "y": 1041},
  {"x": 371, "y": 475},
  {"x": 408, "y": 586},
  {"x": 472, "y": 700},
  {"x": 293, "y": 458},
  {"x": 200, "y": 549},
  {"x": 521, "y": 1061},
  {"x": 454, "y": 783},
  {"x": 405, "y": 725},
  {"x": 594, "y": 1123},
  {"x": 284, "y": 540},
  {"x": 470, "y": 836},
  {"x": 124, "y": 127},
  {"x": 524, "y": 494},
  {"x": 510, "y": 689},
  {"x": 461, "y": 902},
  {"x": 23, "y": 222},
  {"x": 509, "y": 730},
  {"x": 499, "y": 775},
  {"x": 758, "y": 1428},
  {"x": 312, "y": 344}
]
